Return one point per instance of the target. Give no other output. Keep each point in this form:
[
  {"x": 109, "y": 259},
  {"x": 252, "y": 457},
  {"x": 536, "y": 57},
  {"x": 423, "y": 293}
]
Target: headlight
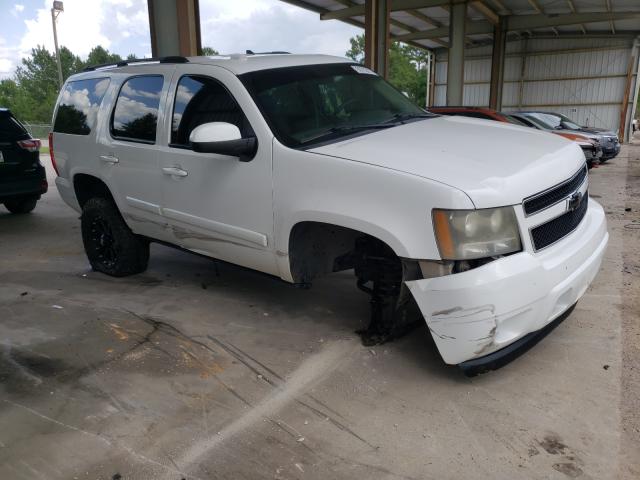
[{"x": 470, "y": 234}]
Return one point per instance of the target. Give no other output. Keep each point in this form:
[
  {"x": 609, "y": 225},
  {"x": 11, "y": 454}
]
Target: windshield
[
  {"x": 514, "y": 120},
  {"x": 543, "y": 120},
  {"x": 568, "y": 123},
  {"x": 552, "y": 120},
  {"x": 318, "y": 103}
]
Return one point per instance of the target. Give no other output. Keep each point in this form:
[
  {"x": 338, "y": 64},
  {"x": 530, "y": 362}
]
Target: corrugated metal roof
[{"x": 423, "y": 17}]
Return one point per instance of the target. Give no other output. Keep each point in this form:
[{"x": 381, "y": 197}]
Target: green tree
[
  {"x": 37, "y": 78},
  {"x": 32, "y": 92},
  {"x": 140, "y": 127},
  {"x": 8, "y": 92},
  {"x": 407, "y": 67},
  {"x": 15, "y": 98},
  {"x": 209, "y": 52},
  {"x": 100, "y": 55},
  {"x": 356, "y": 52}
]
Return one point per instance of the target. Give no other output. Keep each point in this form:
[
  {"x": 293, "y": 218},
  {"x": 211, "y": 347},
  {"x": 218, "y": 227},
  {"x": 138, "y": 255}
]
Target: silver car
[{"x": 608, "y": 139}]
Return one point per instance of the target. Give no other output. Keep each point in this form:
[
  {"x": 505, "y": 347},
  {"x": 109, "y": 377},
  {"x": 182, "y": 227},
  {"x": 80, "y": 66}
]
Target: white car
[{"x": 302, "y": 165}]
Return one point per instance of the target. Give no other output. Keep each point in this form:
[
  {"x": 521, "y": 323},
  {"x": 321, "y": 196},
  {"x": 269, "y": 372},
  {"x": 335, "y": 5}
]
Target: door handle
[
  {"x": 109, "y": 159},
  {"x": 175, "y": 172}
]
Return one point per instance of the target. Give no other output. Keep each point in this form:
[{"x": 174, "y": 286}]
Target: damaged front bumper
[{"x": 481, "y": 311}]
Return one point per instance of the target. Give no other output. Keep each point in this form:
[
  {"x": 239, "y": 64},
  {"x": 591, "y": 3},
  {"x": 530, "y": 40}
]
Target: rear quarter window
[{"x": 79, "y": 104}]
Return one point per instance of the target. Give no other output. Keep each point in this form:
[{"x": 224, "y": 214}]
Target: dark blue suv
[{"x": 22, "y": 176}]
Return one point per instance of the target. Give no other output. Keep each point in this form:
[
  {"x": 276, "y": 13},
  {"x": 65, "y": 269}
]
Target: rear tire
[
  {"x": 111, "y": 247},
  {"x": 21, "y": 205}
]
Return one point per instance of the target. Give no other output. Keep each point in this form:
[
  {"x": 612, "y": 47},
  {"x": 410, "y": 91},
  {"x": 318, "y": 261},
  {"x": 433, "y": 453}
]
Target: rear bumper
[
  {"x": 481, "y": 311},
  {"x": 31, "y": 184},
  {"x": 68, "y": 194}
]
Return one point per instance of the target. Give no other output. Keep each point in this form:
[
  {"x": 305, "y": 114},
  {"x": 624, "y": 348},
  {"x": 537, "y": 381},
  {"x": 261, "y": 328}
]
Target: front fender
[{"x": 393, "y": 206}]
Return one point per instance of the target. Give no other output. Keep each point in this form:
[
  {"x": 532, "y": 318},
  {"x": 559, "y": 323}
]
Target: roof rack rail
[
  {"x": 250, "y": 52},
  {"x": 124, "y": 63}
]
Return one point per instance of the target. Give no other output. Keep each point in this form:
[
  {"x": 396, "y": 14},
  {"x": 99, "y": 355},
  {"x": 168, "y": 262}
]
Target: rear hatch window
[
  {"x": 13, "y": 158},
  {"x": 11, "y": 129}
]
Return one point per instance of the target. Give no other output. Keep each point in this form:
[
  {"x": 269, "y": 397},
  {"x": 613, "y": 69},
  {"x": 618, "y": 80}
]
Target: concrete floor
[{"x": 203, "y": 370}]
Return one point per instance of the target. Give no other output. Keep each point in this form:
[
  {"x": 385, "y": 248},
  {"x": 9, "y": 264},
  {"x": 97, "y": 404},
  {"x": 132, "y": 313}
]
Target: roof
[
  {"x": 236, "y": 63},
  {"x": 242, "y": 63},
  {"x": 425, "y": 23}
]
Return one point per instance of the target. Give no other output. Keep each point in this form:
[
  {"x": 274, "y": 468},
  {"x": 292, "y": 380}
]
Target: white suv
[{"x": 302, "y": 165}]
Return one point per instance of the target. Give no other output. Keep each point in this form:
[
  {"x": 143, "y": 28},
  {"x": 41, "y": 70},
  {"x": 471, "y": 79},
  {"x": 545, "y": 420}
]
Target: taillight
[
  {"x": 53, "y": 158},
  {"x": 31, "y": 145}
]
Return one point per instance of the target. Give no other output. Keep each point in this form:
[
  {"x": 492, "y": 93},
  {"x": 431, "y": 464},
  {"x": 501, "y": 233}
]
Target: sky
[{"x": 122, "y": 26}]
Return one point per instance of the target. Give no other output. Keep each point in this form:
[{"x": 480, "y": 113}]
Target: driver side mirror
[{"x": 224, "y": 139}]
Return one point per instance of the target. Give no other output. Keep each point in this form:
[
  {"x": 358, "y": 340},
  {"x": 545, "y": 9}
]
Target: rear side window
[
  {"x": 79, "y": 104},
  {"x": 135, "y": 116},
  {"x": 202, "y": 100},
  {"x": 10, "y": 128}
]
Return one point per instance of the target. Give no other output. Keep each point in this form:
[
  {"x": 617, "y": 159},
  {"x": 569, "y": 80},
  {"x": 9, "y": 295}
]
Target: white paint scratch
[{"x": 311, "y": 371}]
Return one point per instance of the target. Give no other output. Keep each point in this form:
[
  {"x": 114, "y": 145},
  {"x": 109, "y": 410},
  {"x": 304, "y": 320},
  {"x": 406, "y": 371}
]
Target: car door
[
  {"x": 216, "y": 204},
  {"x": 128, "y": 150}
]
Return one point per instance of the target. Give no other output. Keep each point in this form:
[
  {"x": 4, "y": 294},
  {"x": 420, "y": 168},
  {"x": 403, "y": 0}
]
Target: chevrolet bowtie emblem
[{"x": 573, "y": 201}]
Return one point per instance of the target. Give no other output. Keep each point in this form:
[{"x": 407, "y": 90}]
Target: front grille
[
  {"x": 552, "y": 196},
  {"x": 552, "y": 231}
]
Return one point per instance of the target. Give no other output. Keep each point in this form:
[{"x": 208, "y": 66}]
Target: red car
[{"x": 476, "y": 112}]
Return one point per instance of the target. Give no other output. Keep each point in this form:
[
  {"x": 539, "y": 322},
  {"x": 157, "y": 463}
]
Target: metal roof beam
[
  {"x": 425, "y": 18},
  {"x": 485, "y": 11},
  {"x": 523, "y": 22},
  {"x": 572, "y": 7},
  {"x": 501, "y": 8},
  {"x": 620, "y": 35},
  {"x": 472, "y": 28},
  {"x": 392, "y": 21},
  {"x": 519, "y": 22},
  {"x": 395, "y": 6},
  {"x": 607, "y": 4},
  {"x": 536, "y": 6},
  {"x": 350, "y": 21}
]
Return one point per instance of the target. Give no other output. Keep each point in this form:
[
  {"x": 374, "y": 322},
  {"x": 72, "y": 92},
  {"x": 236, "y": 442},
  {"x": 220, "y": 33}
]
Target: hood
[
  {"x": 576, "y": 137},
  {"x": 598, "y": 131},
  {"x": 494, "y": 163}
]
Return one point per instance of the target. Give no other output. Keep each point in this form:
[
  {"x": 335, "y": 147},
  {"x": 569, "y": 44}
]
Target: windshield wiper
[
  {"x": 402, "y": 117},
  {"x": 347, "y": 128},
  {"x": 398, "y": 118}
]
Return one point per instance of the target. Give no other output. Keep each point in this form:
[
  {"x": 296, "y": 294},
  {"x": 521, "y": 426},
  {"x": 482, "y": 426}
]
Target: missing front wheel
[{"x": 381, "y": 274}]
